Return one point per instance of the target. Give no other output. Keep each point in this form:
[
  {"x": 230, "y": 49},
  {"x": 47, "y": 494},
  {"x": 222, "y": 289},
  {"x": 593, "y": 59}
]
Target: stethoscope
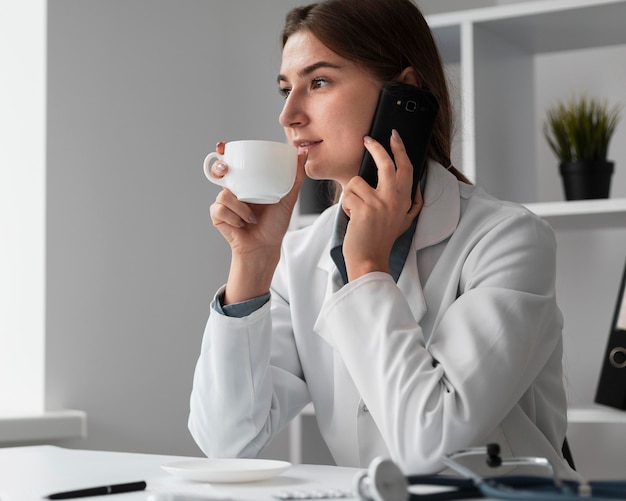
[{"x": 384, "y": 481}]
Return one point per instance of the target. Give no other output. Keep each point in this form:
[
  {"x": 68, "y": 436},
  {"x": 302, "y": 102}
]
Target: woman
[{"x": 417, "y": 328}]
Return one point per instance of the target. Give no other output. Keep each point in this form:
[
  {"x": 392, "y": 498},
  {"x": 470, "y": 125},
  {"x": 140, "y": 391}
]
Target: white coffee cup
[{"x": 260, "y": 172}]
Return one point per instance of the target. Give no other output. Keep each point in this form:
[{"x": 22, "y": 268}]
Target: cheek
[
  {"x": 350, "y": 124},
  {"x": 360, "y": 115}
]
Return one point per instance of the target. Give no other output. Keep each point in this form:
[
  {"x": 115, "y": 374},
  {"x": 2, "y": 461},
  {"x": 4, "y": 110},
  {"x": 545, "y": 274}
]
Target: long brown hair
[{"x": 384, "y": 37}]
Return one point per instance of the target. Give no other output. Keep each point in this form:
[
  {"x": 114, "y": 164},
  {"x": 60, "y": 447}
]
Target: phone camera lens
[{"x": 411, "y": 106}]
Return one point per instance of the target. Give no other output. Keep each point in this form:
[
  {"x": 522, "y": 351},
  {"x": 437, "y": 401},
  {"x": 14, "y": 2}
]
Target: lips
[{"x": 306, "y": 144}]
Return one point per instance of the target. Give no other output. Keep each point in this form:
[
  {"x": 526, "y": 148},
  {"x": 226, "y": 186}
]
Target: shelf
[
  {"x": 545, "y": 26},
  {"x": 583, "y": 214},
  {"x": 596, "y": 415},
  {"x": 579, "y": 207},
  {"x": 42, "y": 427},
  {"x": 569, "y": 28}
]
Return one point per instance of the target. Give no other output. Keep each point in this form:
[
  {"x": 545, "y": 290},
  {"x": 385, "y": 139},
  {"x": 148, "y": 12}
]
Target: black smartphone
[{"x": 410, "y": 110}]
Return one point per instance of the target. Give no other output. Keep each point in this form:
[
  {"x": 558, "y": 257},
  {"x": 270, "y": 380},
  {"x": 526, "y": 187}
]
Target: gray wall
[{"x": 138, "y": 92}]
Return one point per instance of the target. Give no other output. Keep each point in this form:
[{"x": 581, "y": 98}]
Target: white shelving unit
[
  {"x": 496, "y": 50},
  {"x": 506, "y": 64},
  {"x": 582, "y": 215}
]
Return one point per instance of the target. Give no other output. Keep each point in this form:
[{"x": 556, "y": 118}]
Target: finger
[
  {"x": 300, "y": 171},
  {"x": 357, "y": 195},
  {"x": 418, "y": 203},
  {"x": 221, "y": 215},
  {"x": 228, "y": 209},
  {"x": 384, "y": 163},
  {"x": 292, "y": 196},
  {"x": 219, "y": 169},
  {"x": 348, "y": 203},
  {"x": 404, "y": 172},
  {"x": 359, "y": 189}
]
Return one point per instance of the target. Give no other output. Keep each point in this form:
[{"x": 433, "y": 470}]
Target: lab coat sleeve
[
  {"x": 489, "y": 343},
  {"x": 247, "y": 384}
]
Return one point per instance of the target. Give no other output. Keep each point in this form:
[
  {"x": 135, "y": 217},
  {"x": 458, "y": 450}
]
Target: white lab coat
[{"x": 465, "y": 349}]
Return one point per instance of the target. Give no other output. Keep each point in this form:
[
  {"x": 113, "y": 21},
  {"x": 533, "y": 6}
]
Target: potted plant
[{"x": 579, "y": 132}]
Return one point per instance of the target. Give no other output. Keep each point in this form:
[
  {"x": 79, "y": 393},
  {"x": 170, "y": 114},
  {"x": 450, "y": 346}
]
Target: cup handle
[{"x": 221, "y": 181}]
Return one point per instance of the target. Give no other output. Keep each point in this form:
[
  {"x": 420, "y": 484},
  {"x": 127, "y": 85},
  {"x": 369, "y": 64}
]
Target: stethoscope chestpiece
[{"x": 383, "y": 481}]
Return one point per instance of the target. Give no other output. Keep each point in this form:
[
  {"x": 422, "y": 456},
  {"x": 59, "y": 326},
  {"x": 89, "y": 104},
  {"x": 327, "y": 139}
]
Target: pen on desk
[{"x": 99, "y": 491}]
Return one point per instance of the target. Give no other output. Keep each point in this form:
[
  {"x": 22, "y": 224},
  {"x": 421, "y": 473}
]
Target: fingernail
[
  {"x": 252, "y": 219},
  {"x": 396, "y": 136},
  {"x": 367, "y": 139},
  {"x": 306, "y": 156},
  {"x": 219, "y": 167}
]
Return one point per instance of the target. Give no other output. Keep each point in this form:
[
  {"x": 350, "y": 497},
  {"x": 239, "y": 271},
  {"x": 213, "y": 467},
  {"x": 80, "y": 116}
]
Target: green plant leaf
[{"x": 581, "y": 129}]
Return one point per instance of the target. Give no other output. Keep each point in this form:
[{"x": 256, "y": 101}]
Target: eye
[
  {"x": 284, "y": 91},
  {"x": 318, "y": 83}
]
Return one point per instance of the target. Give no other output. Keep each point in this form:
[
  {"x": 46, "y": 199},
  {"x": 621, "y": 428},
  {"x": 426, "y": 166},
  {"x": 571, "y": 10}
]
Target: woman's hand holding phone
[
  {"x": 254, "y": 232},
  {"x": 379, "y": 216}
]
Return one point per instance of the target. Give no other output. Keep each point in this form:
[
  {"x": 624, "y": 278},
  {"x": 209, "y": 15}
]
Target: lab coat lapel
[
  {"x": 346, "y": 397},
  {"x": 326, "y": 263},
  {"x": 440, "y": 214},
  {"x": 437, "y": 221}
]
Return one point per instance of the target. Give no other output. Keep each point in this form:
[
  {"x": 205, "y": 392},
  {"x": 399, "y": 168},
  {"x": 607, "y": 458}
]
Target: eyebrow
[{"x": 310, "y": 69}]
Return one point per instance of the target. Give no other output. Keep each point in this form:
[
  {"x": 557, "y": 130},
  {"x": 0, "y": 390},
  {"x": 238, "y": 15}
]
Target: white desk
[{"x": 30, "y": 473}]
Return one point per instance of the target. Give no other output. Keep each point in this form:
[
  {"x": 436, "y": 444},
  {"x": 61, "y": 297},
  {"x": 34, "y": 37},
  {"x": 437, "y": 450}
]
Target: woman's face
[{"x": 329, "y": 105}]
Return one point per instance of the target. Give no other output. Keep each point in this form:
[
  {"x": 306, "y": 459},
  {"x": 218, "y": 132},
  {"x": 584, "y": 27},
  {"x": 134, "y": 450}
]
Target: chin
[
  {"x": 327, "y": 172},
  {"x": 312, "y": 172}
]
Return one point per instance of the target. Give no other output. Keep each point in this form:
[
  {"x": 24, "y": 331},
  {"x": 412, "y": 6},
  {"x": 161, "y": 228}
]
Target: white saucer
[{"x": 226, "y": 470}]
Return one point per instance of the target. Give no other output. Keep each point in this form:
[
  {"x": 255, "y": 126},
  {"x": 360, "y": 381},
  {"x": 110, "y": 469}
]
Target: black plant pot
[{"x": 583, "y": 180}]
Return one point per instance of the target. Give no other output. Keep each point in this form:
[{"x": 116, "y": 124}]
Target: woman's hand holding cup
[{"x": 253, "y": 230}]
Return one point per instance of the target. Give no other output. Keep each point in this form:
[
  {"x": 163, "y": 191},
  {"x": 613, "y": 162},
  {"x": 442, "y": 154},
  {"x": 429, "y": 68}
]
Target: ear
[{"x": 410, "y": 76}]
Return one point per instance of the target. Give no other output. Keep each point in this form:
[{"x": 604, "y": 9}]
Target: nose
[{"x": 293, "y": 113}]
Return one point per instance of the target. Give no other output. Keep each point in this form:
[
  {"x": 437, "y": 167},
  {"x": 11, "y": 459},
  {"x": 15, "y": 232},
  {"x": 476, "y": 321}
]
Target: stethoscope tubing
[{"x": 518, "y": 488}]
